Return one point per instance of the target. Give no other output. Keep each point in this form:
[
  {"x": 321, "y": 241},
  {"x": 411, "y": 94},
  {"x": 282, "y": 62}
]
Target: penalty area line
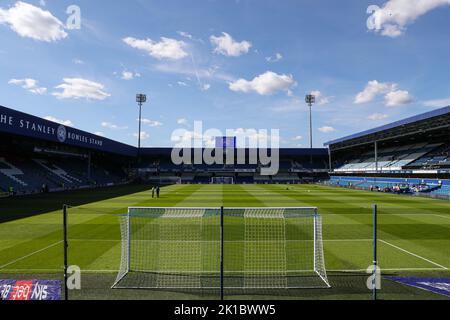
[
  {"x": 414, "y": 255},
  {"x": 29, "y": 255}
]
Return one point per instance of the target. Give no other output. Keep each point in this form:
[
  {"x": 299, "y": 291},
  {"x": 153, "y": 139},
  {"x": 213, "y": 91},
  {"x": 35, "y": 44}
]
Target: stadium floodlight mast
[
  {"x": 140, "y": 99},
  {"x": 310, "y": 100}
]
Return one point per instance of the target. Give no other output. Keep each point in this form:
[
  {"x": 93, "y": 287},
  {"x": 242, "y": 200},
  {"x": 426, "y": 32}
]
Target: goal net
[
  {"x": 189, "y": 248},
  {"x": 222, "y": 180}
]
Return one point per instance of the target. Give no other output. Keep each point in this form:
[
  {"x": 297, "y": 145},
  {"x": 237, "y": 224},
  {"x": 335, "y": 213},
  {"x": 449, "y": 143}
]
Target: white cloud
[
  {"x": 438, "y": 103},
  {"x": 189, "y": 36},
  {"x": 151, "y": 123},
  {"x": 321, "y": 100},
  {"x": 278, "y": 57},
  {"x": 327, "y": 129},
  {"x": 188, "y": 139},
  {"x": 63, "y": 122},
  {"x": 78, "y": 61},
  {"x": 398, "y": 98},
  {"x": 265, "y": 84},
  {"x": 32, "y": 22},
  {"x": 392, "y": 19},
  {"x": 77, "y": 88},
  {"x": 297, "y": 138},
  {"x": 377, "y": 117},
  {"x": 212, "y": 73},
  {"x": 182, "y": 121},
  {"x": 29, "y": 84},
  {"x": 392, "y": 96},
  {"x": 206, "y": 87},
  {"x": 112, "y": 126},
  {"x": 261, "y": 137},
  {"x": 165, "y": 49},
  {"x": 185, "y": 34},
  {"x": 372, "y": 90},
  {"x": 127, "y": 75},
  {"x": 227, "y": 46},
  {"x": 182, "y": 84},
  {"x": 185, "y": 138},
  {"x": 99, "y": 133},
  {"x": 144, "y": 135}
]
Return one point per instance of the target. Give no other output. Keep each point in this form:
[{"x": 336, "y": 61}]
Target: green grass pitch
[{"x": 414, "y": 236}]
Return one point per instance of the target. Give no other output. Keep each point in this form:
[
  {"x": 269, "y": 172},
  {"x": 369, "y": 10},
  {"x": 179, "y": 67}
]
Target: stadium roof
[{"x": 436, "y": 119}]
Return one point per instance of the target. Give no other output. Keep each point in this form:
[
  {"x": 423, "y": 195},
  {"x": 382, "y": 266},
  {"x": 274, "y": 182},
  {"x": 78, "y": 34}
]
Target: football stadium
[
  {"x": 189, "y": 152},
  {"x": 304, "y": 233}
]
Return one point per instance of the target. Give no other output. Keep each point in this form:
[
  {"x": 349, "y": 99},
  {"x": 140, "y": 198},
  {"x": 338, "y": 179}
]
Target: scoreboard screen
[{"x": 226, "y": 142}]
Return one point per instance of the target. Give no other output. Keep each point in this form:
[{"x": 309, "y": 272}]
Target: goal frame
[
  {"x": 223, "y": 179},
  {"x": 317, "y": 221}
]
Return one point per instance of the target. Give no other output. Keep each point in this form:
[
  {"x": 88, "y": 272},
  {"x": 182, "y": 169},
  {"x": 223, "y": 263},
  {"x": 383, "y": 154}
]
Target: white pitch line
[
  {"x": 217, "y": 241},
  {"x": 418, "y": 214},
  {"x": 389, "y": 269},
  {"x": 414, "y": 255},
  {"x": 29, "y": 255},
  {"x": 115, "y": 271},
  {"x": 54, "y": 270},
  {"x": 441, "y": 216}
]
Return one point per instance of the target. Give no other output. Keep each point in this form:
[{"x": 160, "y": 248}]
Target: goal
[
  {"x": 222, "y": 180},
  {"x": 222, "y": 248}
]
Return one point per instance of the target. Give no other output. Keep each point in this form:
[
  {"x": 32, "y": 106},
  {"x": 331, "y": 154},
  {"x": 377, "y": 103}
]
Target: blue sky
[{"x": 231, "y": 64}]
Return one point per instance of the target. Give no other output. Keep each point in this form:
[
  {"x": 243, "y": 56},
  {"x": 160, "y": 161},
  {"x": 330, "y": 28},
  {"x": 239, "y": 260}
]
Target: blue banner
[
  {"x": 19, "y": 123},
  {"x": 30, "y": 290},
  {"x": 436, "y": 285}
]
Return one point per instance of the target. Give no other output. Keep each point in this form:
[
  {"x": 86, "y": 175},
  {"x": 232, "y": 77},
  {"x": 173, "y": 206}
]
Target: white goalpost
[{"x": 222, "y": 248}]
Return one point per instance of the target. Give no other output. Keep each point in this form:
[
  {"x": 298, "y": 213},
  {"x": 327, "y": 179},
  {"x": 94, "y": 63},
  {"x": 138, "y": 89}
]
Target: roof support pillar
[{"x": 376, "y": 156}]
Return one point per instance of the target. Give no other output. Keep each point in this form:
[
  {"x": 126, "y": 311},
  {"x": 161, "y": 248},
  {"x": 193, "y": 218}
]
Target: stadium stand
[
  {"x": 413, "y": 186},
  {"x": 410, "y": 156},
  {"x": 43, "y": 156},
  {"x": 389, "y": 159},
  {"x": 295, "y": 166}
]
